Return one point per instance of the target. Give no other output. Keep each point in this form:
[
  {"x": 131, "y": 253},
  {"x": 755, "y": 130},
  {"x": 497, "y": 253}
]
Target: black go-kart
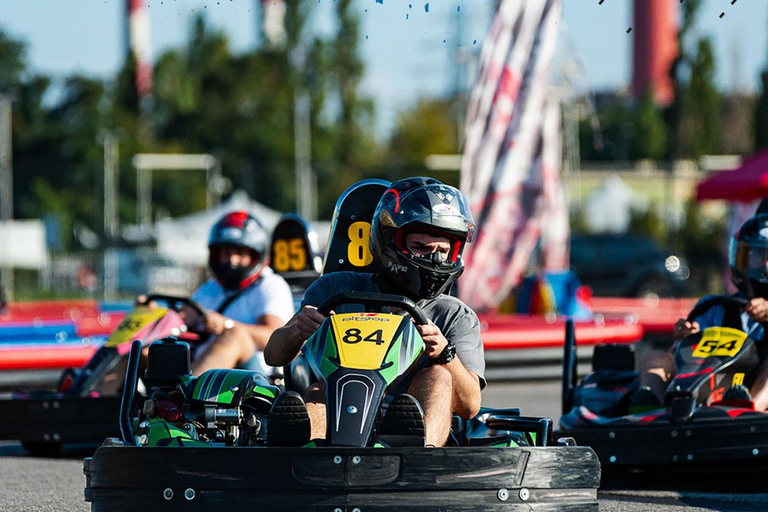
[
  {"x": 204, "y": 443},
  {"x": 82, "y": 410},
  {"x": 697, "y": 428}
]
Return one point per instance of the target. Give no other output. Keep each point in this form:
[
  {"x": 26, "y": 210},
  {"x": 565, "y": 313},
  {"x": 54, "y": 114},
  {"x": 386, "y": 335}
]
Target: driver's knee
[
  {"x": 660, "y": 363},
  {"x": 435, "y": 380},
  {"x": 236, "y": 340}
]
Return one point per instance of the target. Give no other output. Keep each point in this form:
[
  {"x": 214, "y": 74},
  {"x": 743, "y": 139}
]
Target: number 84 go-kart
[{"x": 200, "y": 443}]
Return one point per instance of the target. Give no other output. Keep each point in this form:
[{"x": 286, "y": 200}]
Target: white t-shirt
[{"x": 269, "y": 295}]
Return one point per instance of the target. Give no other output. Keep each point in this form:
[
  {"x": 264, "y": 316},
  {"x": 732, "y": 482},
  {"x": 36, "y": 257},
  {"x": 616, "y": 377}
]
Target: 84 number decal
[{"x": 354, "y": 335}]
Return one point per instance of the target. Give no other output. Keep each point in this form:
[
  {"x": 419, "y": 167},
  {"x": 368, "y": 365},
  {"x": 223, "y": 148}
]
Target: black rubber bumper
[
  {"x": 56, "y": 419},
  {"x": 122, "y": 478},
  {"x": 735, "y": 442}
]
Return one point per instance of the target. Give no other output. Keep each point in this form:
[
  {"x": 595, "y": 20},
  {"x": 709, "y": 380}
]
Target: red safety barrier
[
  {"x": 44, "y": 357},
  {"x": 504, "y": 332},
  {"x": 657, "y": 316}
]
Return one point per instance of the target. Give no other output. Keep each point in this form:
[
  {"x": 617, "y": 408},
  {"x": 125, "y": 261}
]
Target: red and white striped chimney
[{"x": 138, "y": 41}]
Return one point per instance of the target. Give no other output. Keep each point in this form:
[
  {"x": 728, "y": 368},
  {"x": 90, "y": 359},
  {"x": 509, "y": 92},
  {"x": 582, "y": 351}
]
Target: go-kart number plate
[
  {"x": 133, "y": 323},
  {"x": 363, "y": 339},
  {"x": 720, "y": 342}
]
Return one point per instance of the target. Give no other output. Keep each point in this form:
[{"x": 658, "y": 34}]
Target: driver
[
  {"x": 245, "y": 299},
  {"x": 749, "y": 272},
  {"x": 418, "y": 233}
]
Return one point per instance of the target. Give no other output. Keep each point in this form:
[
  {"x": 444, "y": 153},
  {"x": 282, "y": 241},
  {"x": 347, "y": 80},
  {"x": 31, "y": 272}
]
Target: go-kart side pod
[{"x": 121, "y": 478}]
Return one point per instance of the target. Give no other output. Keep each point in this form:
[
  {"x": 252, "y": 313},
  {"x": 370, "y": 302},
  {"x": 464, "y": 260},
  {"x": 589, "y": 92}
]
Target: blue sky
[{"x": 406, "y": 51}]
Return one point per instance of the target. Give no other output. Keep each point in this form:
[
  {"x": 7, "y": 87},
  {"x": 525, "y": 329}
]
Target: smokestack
[
  {"x": 138, "y": 43},
  {"x": 655, "y": 48}
]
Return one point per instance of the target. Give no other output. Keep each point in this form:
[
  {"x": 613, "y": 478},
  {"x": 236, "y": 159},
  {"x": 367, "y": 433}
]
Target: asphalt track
[{"x": 56, "y": 485}]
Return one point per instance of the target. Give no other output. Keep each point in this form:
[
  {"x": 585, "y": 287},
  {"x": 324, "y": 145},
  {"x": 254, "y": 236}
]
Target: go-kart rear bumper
[
  {"x": 736, "y": 442},
  {"x": 57, "y": 419},
  {"x": 366, "y": 479}
]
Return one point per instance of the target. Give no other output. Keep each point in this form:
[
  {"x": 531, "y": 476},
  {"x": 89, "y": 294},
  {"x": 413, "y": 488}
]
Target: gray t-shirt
[{"x": 456, "y": 320}]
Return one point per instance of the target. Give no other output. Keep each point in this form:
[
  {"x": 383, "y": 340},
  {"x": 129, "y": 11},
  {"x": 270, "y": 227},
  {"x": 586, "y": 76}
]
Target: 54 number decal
[{"x": 720, "y": 342}]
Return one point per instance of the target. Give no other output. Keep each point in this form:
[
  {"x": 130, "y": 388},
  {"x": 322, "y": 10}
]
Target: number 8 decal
[{"x": 358, "y": 252}]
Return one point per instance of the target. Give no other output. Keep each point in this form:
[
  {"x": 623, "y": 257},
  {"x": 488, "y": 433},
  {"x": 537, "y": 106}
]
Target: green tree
[
  {"x": 705, "y": 117},
  {"x": 650, "y": 133},
  {"x": 761, "y": 114},
  {"x": 428, "y": 128}
]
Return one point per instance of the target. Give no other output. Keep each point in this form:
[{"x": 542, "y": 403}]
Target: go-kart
[
  {"x": 83, "y": 408},
  {"x": 697, "y": 428},
  {"x": 201, "y": 443}
]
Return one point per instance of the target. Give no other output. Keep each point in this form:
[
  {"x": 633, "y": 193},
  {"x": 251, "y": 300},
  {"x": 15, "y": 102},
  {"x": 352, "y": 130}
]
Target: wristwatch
[{"x": 447, "y": 355}]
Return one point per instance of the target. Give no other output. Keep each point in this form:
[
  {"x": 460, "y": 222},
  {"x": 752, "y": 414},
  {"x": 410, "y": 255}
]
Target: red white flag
[{"x": 511, "y": 148}]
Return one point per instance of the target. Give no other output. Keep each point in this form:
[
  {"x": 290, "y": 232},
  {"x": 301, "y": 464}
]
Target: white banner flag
[{"x": 506, "y": 171}]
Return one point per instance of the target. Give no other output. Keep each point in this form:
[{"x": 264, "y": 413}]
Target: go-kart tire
[{"x": 42, "y": 448}]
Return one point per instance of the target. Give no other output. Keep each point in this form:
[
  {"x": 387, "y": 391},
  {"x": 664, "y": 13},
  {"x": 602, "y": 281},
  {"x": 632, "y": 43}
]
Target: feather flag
[{"x": 511, "y": 158}]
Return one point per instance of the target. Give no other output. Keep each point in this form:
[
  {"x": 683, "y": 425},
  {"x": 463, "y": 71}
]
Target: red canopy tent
[{"x": 745, "y": 184}]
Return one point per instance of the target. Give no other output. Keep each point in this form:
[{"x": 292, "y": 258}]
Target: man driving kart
[
  {"x": 749, "y": 272},
  {"x": 245, "y": 299},
  {"x": 418, "y": 233}
]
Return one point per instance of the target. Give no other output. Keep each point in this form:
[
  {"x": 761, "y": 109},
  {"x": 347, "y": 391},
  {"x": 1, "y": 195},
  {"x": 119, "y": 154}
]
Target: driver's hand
[
  {"x": 308, "y": 320},
  {"x": 683, "y": 328},
  {"x": 215, "y": 323},
  {"x": 757, "y": 309},
  {"x": 433, "y": 339}
]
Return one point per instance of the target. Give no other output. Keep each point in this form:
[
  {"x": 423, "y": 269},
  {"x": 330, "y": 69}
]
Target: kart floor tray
[{"x": 342, "y": 479}]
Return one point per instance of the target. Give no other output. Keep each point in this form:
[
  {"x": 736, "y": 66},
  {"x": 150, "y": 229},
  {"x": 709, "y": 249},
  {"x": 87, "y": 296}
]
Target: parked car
[{"x": 627, "y": 265}]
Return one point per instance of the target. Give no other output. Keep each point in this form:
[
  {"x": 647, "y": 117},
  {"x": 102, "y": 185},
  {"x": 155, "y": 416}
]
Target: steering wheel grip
[
  {"x": 374, "y": 300},
  {"x": 705, "y": 305}
]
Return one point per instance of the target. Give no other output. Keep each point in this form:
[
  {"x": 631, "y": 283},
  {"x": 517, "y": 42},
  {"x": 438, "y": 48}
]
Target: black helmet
[
  {"x": 237, "y": 229},
  {"x": 422, "y": 205},
  {"x": 749, "y": 257}
]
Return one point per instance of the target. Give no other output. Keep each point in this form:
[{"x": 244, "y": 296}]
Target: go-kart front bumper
[
  {"x": 120, "y": 477},
  {"x": 734, "y": 442}
]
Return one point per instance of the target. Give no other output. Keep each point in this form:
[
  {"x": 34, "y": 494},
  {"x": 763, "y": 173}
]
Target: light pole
[{"x": 6, "y": 187}]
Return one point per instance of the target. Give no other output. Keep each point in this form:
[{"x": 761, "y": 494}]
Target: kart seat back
[
  {"x": 613, "y": 357},
  {"x": 348, "y": 248},
  {"x": 294, "y": 255}
]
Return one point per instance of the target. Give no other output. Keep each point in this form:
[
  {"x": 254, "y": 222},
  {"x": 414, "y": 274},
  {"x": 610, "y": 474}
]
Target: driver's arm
[
  {"x": 259, "y": 333},
  {"x": 466, "y": 384},
  {"x": 466, "y": 389},
  {"x": 285, "y": 343}
]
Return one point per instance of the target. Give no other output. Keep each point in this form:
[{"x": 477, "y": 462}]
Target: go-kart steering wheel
[
  {"x": 373, "y": 302},
  {"x": 196, "y": 325},
  {"x": 707, "y": 304}
]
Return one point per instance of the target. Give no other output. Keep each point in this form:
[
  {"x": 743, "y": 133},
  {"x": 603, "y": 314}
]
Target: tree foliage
[{"x": 206, "y": 99}]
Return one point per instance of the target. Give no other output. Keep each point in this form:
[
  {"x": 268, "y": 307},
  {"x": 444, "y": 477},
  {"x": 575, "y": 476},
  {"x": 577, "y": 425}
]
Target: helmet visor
[{"x": 750, "y": 261}]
